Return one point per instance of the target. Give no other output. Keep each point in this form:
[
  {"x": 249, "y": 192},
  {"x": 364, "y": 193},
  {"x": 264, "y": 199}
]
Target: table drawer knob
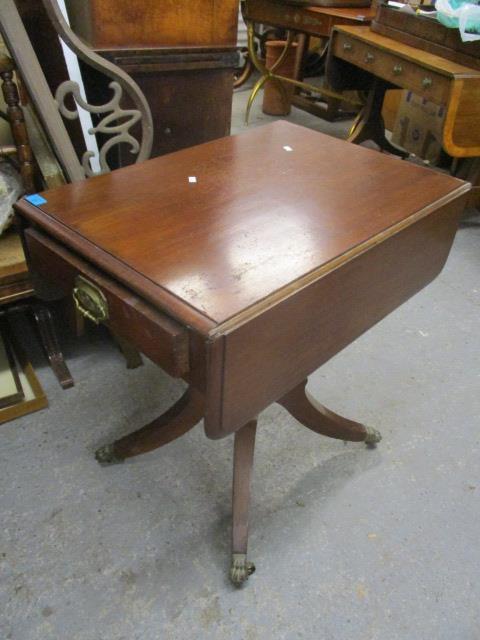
[
  {"x": 369, "y": 57},
  {"x": 347, "y": 46},
  {"x": 427, "y": 83},
  {"x": 397, "y": 69},
  {"x": 90, "y": 301}
]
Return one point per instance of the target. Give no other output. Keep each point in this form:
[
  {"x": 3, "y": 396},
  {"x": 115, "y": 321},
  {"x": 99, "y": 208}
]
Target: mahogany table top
[{"x": 268, "y": 208}]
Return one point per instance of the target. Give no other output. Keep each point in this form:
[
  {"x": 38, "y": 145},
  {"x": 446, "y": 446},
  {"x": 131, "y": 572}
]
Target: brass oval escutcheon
[
  {"x": 90, "y": 300},
  {"x": 427, "y": 83},
  {"x": 397, "y": 69}
]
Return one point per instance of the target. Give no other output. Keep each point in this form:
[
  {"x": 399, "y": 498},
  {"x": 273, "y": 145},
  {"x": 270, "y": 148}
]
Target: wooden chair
[
  {"x": 112, "y": 121},
  {"x": 16, "y": 290}
]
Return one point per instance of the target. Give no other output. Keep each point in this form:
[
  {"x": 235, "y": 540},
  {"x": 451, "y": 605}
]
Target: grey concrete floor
[{"x": 349, "y": 543}]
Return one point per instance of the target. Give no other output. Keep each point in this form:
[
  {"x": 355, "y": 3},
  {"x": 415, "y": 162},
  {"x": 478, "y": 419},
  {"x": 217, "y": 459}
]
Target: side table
[{"x": 243, "y": 282}]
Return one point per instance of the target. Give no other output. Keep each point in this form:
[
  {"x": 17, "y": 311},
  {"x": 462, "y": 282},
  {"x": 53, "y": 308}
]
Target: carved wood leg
[
  {"x": 300, "y": 404},
  {"x": 243, "y": 451},
  {"x": 369, "y": 124},
  {"x": 180, "y": 418},
  {"x": 48, "y": 336}
]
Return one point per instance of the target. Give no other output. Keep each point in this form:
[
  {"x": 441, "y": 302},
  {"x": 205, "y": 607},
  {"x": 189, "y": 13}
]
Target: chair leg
[
  {"x": 244, "y": 447},
  {"x": 300, "y": 404},
  {"x": 48, "y": 336}
]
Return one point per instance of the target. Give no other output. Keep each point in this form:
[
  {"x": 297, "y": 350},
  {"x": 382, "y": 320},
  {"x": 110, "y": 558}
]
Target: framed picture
[
  {"x": 33, "y": 397},
  {"x": 11, "y": 391}
]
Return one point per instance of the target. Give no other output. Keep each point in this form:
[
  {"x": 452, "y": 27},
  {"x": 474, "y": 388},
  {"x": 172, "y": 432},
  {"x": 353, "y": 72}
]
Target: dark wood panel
[
  {"x": 189, "y": 107},
  {"x": 162, "y": 339},
  {"x": 189, "y": 92},
  {"x": 256, "y": 363}
]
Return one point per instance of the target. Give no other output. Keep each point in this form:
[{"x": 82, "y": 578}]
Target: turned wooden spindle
[{"x": 17, "y": 123}]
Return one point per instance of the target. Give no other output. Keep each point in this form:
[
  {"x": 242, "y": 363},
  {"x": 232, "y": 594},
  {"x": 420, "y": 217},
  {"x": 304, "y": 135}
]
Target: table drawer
[
  {"x": 428, "y": 84},
  {"x": 156, "y": 335}
]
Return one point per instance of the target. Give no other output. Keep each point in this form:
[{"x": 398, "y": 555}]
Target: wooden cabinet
[
  {"x": 189, "y": 92},
  {"x": 181, "y": 53}
]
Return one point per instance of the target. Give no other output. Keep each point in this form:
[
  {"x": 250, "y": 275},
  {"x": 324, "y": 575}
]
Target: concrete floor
[{"x": 349, "y": 543}]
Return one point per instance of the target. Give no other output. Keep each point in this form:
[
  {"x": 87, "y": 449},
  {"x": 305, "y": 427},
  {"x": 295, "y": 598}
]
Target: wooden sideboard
[{"x": 358, "y": 54}]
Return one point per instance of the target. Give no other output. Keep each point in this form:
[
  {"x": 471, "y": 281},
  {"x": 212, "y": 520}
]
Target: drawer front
[
  {"x": 403, "y": 73},
  {"x": 156, "y": 335}
]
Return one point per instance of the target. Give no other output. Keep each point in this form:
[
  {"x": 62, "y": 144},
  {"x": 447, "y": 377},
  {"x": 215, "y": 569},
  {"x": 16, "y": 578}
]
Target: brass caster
[
  {"x": 373, "y": 436},
  {"x": 106, "y": 455},
  {"x": 240, "y": 569}
]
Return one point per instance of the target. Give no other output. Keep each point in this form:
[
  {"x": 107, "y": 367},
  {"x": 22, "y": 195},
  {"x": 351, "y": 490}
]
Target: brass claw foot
[
  {"x": 373, "y": 436},
  {"x": 240, "y": 569},
  {"x": 106, "y": 455}
]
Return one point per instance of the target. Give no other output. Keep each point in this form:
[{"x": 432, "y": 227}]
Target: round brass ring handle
[
  {"x": 427, "y": 83},
  {"x": 397, "y": 69},
  {"x": 369, "y": 57}
]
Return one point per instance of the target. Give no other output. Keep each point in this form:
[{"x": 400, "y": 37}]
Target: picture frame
[{"x": 34, "y": 398}]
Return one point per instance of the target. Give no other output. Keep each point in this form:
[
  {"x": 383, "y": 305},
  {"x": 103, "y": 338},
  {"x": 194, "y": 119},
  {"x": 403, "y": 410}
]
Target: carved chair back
[{"x": 115, "y": 121}]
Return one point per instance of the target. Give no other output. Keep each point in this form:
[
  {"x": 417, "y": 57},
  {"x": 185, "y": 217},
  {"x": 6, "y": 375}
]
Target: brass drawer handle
[
  {"x": 369, "y": 57},
  {"x": 90, "y": 301},
  {"x": 397, "y": 69},
  {"x": 427, "y": 83},
  {"x": 347, "y": 46}
]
